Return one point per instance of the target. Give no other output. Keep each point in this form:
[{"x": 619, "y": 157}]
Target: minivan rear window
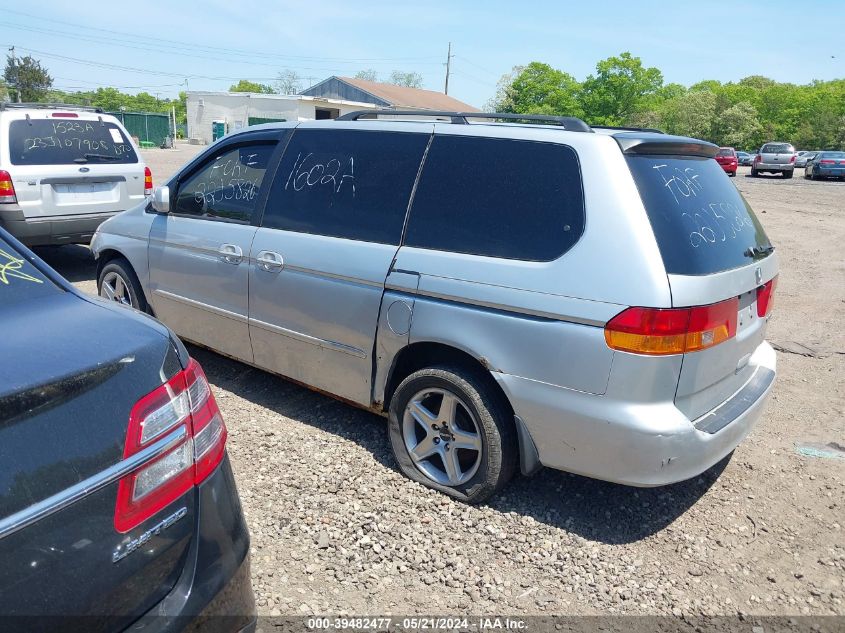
[
  {"x": 701, "y": 222},
  {"x": 68, "y": 142}
]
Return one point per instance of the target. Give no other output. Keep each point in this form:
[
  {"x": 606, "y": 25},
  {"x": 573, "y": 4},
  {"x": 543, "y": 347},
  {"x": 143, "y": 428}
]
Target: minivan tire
[
  {"x": 754, "y": 173},
  {"x": 119, "y": 271},
  {"x": 492, "y": 417}
]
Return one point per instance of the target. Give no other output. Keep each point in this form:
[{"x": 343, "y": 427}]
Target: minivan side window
[
  {"x": 504, "y": 198},
  {"x": 352, "y": 184},
  {"x": 227, "y": 185}
]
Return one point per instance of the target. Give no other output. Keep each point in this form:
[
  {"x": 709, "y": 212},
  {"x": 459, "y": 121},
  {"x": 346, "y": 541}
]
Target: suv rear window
[
  {"x": 19, "y": 279},
  {"x": 777, "y": 148},
  {"x": 501, "y": 198},
  {"x": 68, "y": 141},
  {"x": 701, "y": 222}
]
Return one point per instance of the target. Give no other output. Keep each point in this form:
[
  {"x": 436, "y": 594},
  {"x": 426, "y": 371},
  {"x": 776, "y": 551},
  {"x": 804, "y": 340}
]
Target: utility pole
[
  {"x": 17, "y": 75},
  {"x": 449, "y": 57}
]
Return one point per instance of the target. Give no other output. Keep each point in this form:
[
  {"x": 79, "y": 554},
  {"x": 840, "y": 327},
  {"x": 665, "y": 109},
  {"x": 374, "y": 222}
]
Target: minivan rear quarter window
[
  {"x": 68, "y": 141},
  {"x": 502, "y": 198},
  {"x": 701, "y": 222}
]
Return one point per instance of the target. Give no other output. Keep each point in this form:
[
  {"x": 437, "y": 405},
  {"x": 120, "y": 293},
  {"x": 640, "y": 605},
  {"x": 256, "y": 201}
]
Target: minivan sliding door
[{"x": 331, "y": 228}]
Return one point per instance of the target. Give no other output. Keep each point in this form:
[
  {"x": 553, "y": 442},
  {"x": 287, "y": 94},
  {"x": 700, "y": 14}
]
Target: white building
[{"x": 213, "y": 114}]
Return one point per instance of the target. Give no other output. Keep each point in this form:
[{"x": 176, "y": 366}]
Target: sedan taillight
[{"x": 183, "y": 416}]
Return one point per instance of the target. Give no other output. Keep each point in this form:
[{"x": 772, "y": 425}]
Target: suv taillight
[
  {"x": 148, "y": 182},
  {"x": 7, "y": 189},
  {"x": 658, "y": 332},
  {"x": 182, "y": 408},
  {"x": 766, "y": 297},
  {"x": 758, "y": 158},
  {"x": 792, "y": 159}
]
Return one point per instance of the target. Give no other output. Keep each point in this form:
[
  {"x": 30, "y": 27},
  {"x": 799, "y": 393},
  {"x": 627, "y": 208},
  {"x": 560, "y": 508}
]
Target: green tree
[
  {"x": 245, "y": 85},
  {"x": 619, "y": 88},
  {"x": 738, "y": 126},
  {"x": 27, "y": 78},
  {"x": 540, "y": 89},
  {"x": 692, "y": 114},
  {"x": 407, "y": 79},
  {"x": 368, "y": 74}
]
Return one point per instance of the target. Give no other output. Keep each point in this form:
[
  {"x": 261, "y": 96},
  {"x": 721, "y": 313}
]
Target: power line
[{"x": 142, "y": 39}]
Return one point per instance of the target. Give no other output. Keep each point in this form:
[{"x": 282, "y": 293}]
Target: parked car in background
[
  {"x": 63, "y": 170},
  {"x": 727, "y": 159},
  {"x": 427, "y": 270},
  {"x": 802, "y": 158},
  {"x": 117, "y": 501},
  {"x": 774, "y": 158},
  {"x": 744, "y": 158},
  {"x": 826, "y": 165}
]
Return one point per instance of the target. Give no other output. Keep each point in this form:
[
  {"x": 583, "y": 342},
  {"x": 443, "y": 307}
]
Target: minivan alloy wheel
[
  {"x": 442, "y": 436},
  {"x": 115, "y": 288}
]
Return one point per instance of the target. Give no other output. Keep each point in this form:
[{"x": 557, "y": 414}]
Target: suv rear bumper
[
  {"x": 635, "y": 443},
  {"x": 52, "y": 230},
  {"x": 214, "y": 592}
]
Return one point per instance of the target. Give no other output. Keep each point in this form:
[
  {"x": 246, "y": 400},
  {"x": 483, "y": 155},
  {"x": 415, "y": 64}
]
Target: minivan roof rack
[
  {"x": 570, "y": 123},
  {"x": 51, "y": 106},
  {"x": 619, "y": 128}
]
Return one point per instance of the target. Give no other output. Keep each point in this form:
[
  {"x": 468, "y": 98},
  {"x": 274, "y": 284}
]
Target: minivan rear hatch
[
  {"x": 714, "y": 249},
  {"x": 81, "y": 164}
]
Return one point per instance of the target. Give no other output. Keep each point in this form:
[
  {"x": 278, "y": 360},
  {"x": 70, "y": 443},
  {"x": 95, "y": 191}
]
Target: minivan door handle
[
  {"x": 270, "y": 261},
  {"x": 231, "y": 253}
]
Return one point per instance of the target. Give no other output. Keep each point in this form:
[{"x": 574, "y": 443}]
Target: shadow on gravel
[
  {"x": 602, "y": 511},
  {"x": 592, "y": 509},
  {"x": 72, "y": 261}
]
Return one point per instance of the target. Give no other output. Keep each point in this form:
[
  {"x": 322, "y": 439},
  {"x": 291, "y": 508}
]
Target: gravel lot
[{"x": 336, "y": 529}]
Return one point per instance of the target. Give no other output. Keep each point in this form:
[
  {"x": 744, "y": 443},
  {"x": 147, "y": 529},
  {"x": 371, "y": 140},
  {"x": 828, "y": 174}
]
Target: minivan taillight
[
  {"x": 148, "y": 182},
  {"x": 184, "y": 410},
  {"x": 792, "y": 159},
  {"x": 758, "y": 158},
  {"x": 766, "y": 297},
  {"x": 658, "y": 331},
  {"x": 7, "y": 189}
]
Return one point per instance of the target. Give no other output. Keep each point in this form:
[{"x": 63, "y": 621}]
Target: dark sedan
[
  {"x": 826, "y": 165},
  {"x": 744, "y": 158},
  {"x": 118, "y": 507}
]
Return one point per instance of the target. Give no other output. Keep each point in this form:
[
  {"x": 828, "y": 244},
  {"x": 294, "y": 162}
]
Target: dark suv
[{"x": 118, "y": 506}]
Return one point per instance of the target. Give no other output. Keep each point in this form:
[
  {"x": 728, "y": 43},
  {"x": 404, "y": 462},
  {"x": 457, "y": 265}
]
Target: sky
[{"x": 156, "y": 45}]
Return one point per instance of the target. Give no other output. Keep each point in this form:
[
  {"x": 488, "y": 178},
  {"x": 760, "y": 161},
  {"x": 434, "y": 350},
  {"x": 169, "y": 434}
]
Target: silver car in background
[
  {"x": 774, "y": 158},
  {"x": 64, "y": 169},
  {"x": 509, "y": 296}
]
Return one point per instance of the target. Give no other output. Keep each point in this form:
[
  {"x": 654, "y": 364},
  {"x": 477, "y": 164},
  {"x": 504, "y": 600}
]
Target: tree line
[
  {"x": 26, "y": 80},
  {"x": 623, "y": 92}
]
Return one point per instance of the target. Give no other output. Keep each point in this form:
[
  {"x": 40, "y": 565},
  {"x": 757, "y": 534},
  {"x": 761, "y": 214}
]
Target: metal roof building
[{"x": 385, "y": 95}]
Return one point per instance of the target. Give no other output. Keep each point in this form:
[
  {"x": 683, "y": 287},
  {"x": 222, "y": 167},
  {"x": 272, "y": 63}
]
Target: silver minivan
[
  {"x": 64, "y": 169},
  {"x": 508, "y": 295}
]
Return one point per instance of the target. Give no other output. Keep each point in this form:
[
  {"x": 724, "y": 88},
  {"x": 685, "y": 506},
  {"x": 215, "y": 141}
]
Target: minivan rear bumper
[
  {"x": 635, "y": 443},
  {"x": 54, "y": 229}
]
